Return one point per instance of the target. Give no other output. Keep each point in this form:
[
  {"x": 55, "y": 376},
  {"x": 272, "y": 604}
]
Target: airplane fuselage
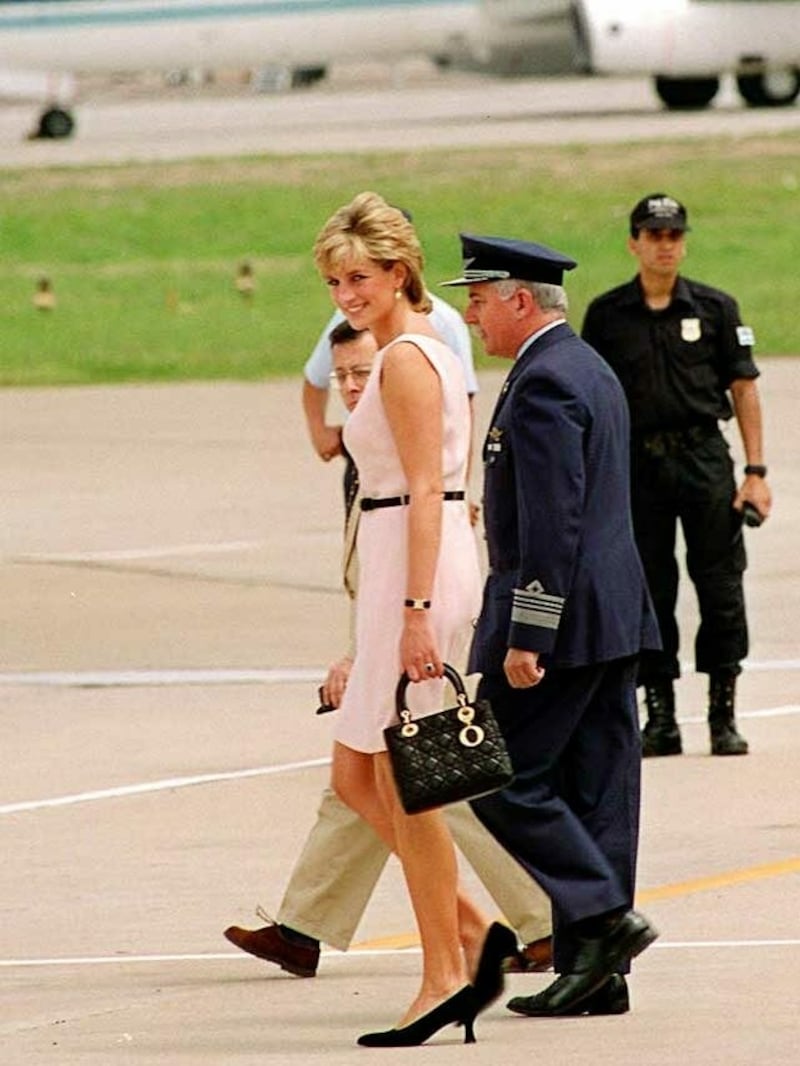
[
  {"x": 122, "y": 35},
  {"x": 685, "y": 44}
]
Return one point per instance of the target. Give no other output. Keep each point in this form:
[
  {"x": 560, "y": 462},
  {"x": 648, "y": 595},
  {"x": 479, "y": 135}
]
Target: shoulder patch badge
[{"x": 745, "y": 336}]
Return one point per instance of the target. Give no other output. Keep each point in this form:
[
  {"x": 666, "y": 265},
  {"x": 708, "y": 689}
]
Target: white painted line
[
  {"x": 132, "y": 678},
  {"x": 681, "y": 945},
  {"x": 258, "y": 771},
  {"x": 228, "y": 956},
  {"x": 96, "y": 795},
  {"x": 768, "y": 712},
  {"x": 230, "y": 676},
  {"x": 159, "y": 786},
  {"x": 771, "y": 664},
  {"x": 359, "y": 952},
  {"x": 756, "y": 665},
  {"x": 121, "y": 554}
]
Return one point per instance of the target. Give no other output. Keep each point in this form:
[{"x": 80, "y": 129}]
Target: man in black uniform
[
  {"x": 565, "y": 613},
  {"x": 685, "y": 362}
]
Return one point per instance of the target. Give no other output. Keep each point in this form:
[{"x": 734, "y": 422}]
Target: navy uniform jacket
[{"x": 565, "y": 576}]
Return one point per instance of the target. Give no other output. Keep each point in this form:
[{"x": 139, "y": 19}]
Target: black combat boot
[
  {"x": 725, "y": 740},
  {"x": 660, "y": 735}
]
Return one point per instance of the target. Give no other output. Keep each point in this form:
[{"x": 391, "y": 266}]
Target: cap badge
[{"x": 663, "y": 205}]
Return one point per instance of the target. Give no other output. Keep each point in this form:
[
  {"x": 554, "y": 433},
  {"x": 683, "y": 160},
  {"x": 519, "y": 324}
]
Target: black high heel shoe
[
  {"x": 500, "y": 944},
  {"x": 459, "y": 1009}
]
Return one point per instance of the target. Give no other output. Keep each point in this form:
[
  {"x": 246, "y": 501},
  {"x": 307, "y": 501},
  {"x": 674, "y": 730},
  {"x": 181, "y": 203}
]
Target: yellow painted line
[
  {"x": 402, "y": 942},
  {"x": 725, "y": 880}
]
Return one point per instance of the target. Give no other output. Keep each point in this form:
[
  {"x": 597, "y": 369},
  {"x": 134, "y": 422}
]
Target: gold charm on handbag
[{"x": 471, "y": 735}]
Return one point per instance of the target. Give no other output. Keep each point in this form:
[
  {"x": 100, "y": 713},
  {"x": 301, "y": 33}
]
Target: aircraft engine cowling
[
  {"x": 686, "y": 45},
  {"x": 687, "y": 38}
]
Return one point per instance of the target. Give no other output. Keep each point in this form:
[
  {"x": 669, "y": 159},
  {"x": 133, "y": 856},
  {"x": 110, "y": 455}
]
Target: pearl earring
[{"x": 398, "y": 293}]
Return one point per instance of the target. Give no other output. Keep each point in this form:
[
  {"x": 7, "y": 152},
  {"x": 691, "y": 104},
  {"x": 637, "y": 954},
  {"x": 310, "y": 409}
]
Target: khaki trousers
[{"x": 342, "y": 859}]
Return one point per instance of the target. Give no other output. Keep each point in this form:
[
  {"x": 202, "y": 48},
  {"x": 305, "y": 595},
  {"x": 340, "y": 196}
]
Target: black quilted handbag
[{"x": 447, "y": 756}]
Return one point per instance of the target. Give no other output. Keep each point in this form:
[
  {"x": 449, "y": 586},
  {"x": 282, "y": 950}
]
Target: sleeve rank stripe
[{"x": 536, "y": 609}]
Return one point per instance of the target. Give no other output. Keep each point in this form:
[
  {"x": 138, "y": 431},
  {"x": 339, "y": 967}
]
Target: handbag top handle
[{"x": 450, "y": 673}]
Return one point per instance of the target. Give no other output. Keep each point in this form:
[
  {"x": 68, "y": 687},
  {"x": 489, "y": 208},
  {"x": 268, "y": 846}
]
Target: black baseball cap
[{"x": 658, "y": 211}]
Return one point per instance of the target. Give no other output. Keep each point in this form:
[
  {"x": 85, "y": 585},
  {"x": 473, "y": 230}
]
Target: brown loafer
[
  {"x": 536, "y": 957},
  {"x": 270, "y": 944}
]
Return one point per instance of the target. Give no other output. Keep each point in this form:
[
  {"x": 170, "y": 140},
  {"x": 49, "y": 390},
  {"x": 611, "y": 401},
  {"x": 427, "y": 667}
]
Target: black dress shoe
[
  {"x": 459, "y": 1009},
  {"x": 271, "y": 945},
  {"x": 627, "y": 937},
  {"x": 598, "y": 958},
  {"x": 609, "y": 998},
  {"x": 500, "y": 944}
]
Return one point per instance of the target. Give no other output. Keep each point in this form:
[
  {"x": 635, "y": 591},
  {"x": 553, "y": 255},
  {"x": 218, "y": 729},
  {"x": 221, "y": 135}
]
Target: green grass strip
[{"x": 143, "y": 259}]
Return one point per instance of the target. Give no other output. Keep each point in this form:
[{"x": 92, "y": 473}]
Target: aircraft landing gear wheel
[
  {"x": 55, "y": 123},
  {"x": 775, "y": 88},
  {"x": 302, "y": 77},
  {"x": 686, "y": 94}
]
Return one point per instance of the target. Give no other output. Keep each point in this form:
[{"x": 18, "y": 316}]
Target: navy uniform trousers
[{"x": 574, "y": 803}]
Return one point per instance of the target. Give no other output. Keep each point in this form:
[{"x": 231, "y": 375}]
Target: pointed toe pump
[
  {"x": 500, "y": 944},
  {"x": 459, "y": 1009}
]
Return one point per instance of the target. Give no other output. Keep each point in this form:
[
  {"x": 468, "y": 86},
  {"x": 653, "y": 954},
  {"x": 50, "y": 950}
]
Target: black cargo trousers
[{"x": 689, "y": 477}]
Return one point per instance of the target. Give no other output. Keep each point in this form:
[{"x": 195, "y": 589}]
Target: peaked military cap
[{"x": 497, "y": 258}]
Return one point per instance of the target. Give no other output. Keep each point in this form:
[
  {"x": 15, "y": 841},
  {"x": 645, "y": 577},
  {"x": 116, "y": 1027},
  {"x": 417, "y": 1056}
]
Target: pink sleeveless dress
[{"x": 368, "y": 705}]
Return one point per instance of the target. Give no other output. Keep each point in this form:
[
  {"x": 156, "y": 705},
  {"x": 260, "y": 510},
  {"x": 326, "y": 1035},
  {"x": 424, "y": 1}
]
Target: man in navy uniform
[
  {"x": 685, "y": 362},
  {"x": 565, "y": 614}
]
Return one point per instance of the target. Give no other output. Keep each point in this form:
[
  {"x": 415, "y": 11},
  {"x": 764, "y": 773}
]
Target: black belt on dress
[{"x": 375, "y": 503}]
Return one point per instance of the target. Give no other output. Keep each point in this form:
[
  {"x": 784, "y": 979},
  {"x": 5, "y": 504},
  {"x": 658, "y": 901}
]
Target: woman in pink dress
[{"x": 419, "y": 590}]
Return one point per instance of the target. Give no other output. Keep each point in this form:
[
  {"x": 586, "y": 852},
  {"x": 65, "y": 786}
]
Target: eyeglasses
[{"x": 359, "y": 374}]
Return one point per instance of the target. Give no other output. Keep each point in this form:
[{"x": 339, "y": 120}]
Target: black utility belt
[
  {"x": 669, "y": 441},
  {"x": 375, "y": 503}
]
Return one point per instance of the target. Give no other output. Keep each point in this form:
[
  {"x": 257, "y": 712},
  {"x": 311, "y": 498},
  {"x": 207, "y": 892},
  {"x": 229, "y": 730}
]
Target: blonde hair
[{"x": 369, "y": 228}]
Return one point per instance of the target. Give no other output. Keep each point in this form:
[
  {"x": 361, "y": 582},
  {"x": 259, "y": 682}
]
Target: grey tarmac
[
  {"x": 364, "y": 107},
  {"x": 169, "y": 596}
]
